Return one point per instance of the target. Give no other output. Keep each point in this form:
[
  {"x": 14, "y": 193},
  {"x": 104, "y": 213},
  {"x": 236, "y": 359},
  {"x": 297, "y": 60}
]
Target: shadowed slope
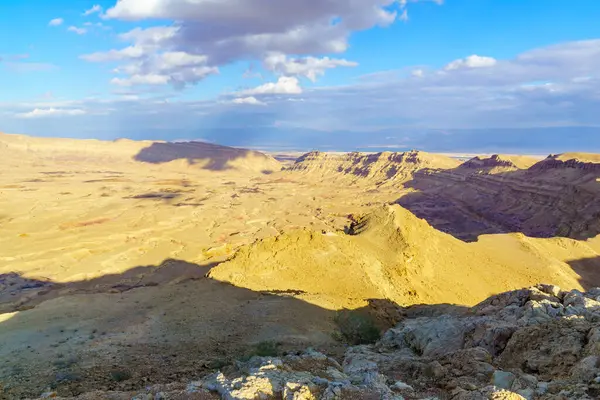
[
  {"x": 554, "y": 197},
  {"x": 208, "y": 156},
  {"x": 158, "y": 323},
  {"x": 589, "y": 270}
]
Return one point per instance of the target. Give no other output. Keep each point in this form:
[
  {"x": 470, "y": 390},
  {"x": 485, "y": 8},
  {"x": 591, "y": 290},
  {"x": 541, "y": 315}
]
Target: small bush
[
  {"x": 67, "y": 376},
  {"x": 63, "y": 362},
  {"x": 218, "y": 363},
  {"x": 120, "y": 375},
  {"x": 266, "y": 349},
  {"x": 262, "y": 349},
  {"x": 357, "y": 328}
]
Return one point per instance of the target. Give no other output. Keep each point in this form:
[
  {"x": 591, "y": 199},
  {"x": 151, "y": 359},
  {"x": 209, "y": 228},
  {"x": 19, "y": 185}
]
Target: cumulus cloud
[
  {"x": 309, "y": 67},
  {"x": 229, "y": 30},
  {"x": 249, "y": 100},
  {"x": 177, "y": 68},
  {"x": 284, "y": 85},
  {"x": 473, "y": 61},
  {"x": 50, "y": 112},
  {"x": 146, "y": 79},
  {"x": 95, "y": 9},
  {"x": 79, "y": 31},
  {"x": 151, "y": 38},
  {"x": 115, "y": 55},
  {"x": 56, "y": 22},
  {"x": 147, "y": 63}
]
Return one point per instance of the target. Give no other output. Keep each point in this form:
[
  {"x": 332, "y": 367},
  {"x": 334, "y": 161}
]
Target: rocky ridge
[
  {"x": 539, "y": 343},
  {"x": 386, "y": 167},
  {"x": 499, "y": 161},
  {"x": 585, "y": 162}
]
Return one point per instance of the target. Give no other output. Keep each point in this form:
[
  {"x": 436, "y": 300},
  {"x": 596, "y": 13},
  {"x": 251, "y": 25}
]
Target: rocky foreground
[{"x": 536, "y": 343}]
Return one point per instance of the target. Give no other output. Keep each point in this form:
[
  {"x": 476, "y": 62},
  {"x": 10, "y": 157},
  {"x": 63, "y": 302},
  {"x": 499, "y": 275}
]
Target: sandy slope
[{"x": 397, "y": 256}]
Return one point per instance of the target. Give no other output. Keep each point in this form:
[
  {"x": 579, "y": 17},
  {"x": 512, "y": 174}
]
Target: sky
[{"x": 452, "y": 75}]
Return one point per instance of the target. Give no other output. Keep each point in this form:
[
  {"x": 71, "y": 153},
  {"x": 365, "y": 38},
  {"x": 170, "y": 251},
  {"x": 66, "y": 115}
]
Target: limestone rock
[{"x": 537, "y": 344}]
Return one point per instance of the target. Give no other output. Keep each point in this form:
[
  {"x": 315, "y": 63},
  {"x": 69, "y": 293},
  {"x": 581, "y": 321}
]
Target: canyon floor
[{"x": 125, "y": 263}]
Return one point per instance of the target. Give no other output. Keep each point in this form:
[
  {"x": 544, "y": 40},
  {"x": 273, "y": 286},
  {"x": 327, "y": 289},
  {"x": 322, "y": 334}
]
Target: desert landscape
[{"x": 142, "y": 266}]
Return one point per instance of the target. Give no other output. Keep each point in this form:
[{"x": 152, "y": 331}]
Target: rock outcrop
[
  {"x": 539, "y": 343},
  {"x": 581, "y": 161},
  {"x": 499, "y": 162},
  {"x": 379, "y": 168}
]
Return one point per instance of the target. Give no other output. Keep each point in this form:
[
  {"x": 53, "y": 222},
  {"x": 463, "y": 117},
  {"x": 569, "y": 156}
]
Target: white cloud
[
  {"x": 418, "y": 73},
  {"x": 79, "y": 31},
  {"x": 51, "y": 112},
  {"x": 249, "y": 100},
  {"x": 147, "y": 79},
  {"x": 115, "y": 55},
  {"x": 284, "y": 85},
  {"x": 147, "y": 64},
  {"x": 309, "y": 67},
  {"x": 177, "y": 68},
  {"x": 231, "y": 30},
  {"x": 473, "y": 61},
  {"x": 373, "y": 10},
  {"x": 150, "y": 37},
  {"x": 95, "y": 9},
  {"x": 56, "y": 22}
]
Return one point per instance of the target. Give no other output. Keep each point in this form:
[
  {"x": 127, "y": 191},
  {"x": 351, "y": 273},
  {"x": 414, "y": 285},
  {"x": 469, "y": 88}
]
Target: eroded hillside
[
  {"x": 381, "y": 168},
  {"x": 554, "y": 197},
  {"x": 557, "y": 196}
]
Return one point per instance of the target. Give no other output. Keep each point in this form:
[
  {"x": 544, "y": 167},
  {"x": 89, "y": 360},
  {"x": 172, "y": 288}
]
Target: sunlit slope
[
  {"x": 393, "y": 254},
  {"x": 386, "y": 167}
]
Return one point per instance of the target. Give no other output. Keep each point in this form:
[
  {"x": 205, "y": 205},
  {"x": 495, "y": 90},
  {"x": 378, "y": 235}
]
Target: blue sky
[{"x": 277, "y": 72}]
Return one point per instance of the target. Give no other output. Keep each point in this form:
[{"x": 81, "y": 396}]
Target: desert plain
[{"x": 165, "y": 261}]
